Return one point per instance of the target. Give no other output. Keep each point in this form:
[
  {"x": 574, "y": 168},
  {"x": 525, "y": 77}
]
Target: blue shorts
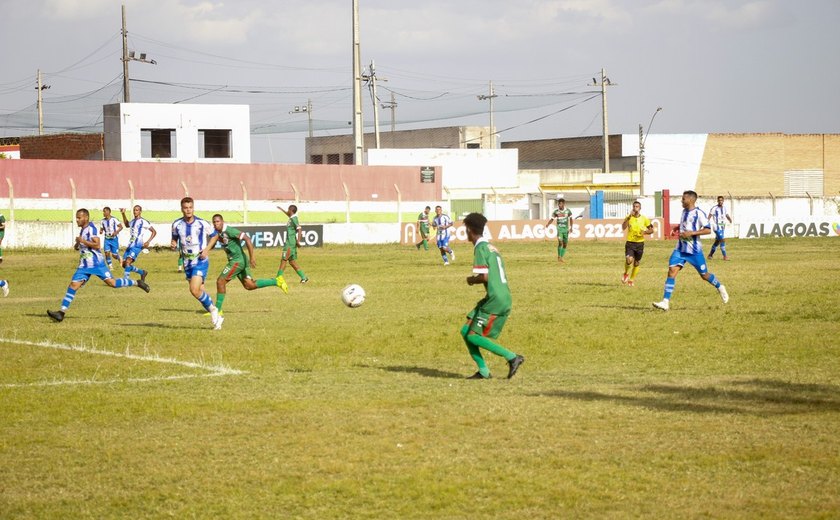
[
  {"x": 83, "y": 274},
  {"x": 443, "y": 241},
  {"x": 132, "y": 252},
  {"x": 697, "y": 260},
  {"x": 112, "y": 245},
  {"x": 196, "y": 268},
  {"x": 719, "y": 233}
]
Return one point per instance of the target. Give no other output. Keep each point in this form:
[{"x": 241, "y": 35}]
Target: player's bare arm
[
  {"x": 125, "y": 219},
  {"x": 210, "y": 244},
  {"x": 151, "y": 237},
  {"x": 477, "y": 279},
  {"x": 284, "y": 211}
]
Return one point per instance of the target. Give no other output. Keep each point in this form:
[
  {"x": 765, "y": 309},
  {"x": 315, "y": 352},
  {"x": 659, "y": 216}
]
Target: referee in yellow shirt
[{"x": 637, "y": 226}]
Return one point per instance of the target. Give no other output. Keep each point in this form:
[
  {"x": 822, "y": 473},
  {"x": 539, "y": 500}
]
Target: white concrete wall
[
  {"x": 187, "y": 120},
  {"x": 672, "y": 161},
  {"x": 466, "y": 169}
]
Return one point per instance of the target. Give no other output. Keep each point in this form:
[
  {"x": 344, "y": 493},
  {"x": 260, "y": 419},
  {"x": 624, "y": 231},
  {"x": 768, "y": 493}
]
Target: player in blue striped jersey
[
  {"x": 91, "y": 263},
  {"x": 110, "y": 227},
  {"x": 718, "y": 217},
  {"x": 442, "y": 223},
  {"x": 693, "y": 224},
  {"x": 196, "y": 237},
  {"x": 138, "y": 227}
]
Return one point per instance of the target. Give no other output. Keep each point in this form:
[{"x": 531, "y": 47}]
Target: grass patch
[{"x": 620, "y": 410}]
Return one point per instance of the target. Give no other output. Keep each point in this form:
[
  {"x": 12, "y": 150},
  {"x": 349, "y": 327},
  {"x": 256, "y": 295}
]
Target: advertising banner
[
  {"x": 275, "y": 235},
  {"x": 790, "y": 227},
  {"x": 536, "y": 230}
]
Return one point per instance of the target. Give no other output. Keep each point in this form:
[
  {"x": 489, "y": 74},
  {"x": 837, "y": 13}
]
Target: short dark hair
[
  {"x": 636, "y": 202},
  {"x": 561, "y": 199},
  {"x": 293, "y": 208},
  {"x": 218, "y": 215},
  {"x": 475, "y": 222},
  {"x": 106, "y": 208},
  {"x": 427, "y": 207},
  {"x": 186, "y": 200},
  {"x": 84, "y": 212},
  {"x": 690, "y": 193}
]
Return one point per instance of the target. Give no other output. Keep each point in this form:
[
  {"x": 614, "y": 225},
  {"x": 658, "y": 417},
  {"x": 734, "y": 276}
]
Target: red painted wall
[{"x": 109, "y": 180}]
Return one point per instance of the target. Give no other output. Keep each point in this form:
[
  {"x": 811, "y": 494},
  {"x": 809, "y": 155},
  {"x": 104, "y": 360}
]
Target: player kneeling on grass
[
  {"x": 91, "y": 263},
  {"x": 490, "y": 313},
  {"x": 239, "y": 265}
]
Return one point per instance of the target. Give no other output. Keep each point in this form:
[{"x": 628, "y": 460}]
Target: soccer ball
[{"x": 353, "y": 295}]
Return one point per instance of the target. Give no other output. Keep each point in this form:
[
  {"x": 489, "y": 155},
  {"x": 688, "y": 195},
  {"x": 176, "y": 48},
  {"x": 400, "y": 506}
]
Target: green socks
[
  {"x": 265, "y": 282},
  {"x": 220, "y": 299}
]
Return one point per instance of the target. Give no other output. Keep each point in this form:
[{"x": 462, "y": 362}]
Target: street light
[
  {"x": 642, "y": 140},
  {"x": 490, "y": 97},
  {"x": 306, "y": 108}
]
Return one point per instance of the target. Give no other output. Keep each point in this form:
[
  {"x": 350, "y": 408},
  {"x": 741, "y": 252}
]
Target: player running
[
  {"x": 136, "y": 244},
  {"x": 442, "y": 223},
  {"x": 91, "y": 263},
  {"x": 563, "y": 216},
  {"x": 239, "y": 265},
  {"x": 196, "y": 237},
  {"x": 718, "y": 217},
  {"x": 2, "y": 234},
  {"x": 637, "y": 226},
  {"x": 293, "y": 238},
  {"x": 693, "y": 224},
  {"x": 423, "y": 228},
  {"x": 110, "y": 227},
  {"x": 485, "y": 321}
]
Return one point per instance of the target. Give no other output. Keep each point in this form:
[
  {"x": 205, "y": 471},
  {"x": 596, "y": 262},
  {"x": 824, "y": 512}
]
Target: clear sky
[{"x": 712, "y": 65}]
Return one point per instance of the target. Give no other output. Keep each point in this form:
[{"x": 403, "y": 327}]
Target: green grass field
[{"x": 707, "y": 411}]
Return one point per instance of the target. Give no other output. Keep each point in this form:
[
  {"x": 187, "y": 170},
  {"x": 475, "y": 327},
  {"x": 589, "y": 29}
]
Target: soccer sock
[
  {"x": 723, "y": 249},
  {"x": 180, "y": 260},
  {"x": 714, "y": 248},
  {"x": 445, "y": 260},
  {"x": 669, "y": 287},
  {"x": 489, "y": 344},
  {"x": 475, "y": 353},
  {"x": 559, "y": 251},
  {"x": 714, "y": 281},
  {"x": 425, "y": 245},
  {"x": 220, "y": 299},
  {"x": 119, "y": 283},
  {"x": 279, "y": 272},
  {"x": 627, "y": 267},
  {"x": 265, "y": 282},
  {"x": 301, "y": 274},
  {"x": 205, "y": 300},
  {"x": 130, "y": 269},
  {"x": 68, "y": 298},
  {"x": 634, "y": 272}
]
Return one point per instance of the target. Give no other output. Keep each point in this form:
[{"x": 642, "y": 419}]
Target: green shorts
[
  {"x": 485, "y": 324},
  {"x": 236, "y": 269},
  {"x": 290, "y": 252},
  {"x": 563, "y": 235},
  {"x": 424, "y": 232}
]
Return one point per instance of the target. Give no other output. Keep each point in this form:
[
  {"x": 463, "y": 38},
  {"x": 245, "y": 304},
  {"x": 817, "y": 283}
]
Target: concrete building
[
  {"x": 339, "y": 149},
  {"x": 177, "y": 133}
]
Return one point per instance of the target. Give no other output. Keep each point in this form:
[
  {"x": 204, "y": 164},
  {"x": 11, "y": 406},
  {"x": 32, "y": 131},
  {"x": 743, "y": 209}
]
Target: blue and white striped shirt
[
  {"x": 89, "y": 257},
  {"x": 441, "y": 224},
  {"x": 192, "y": 237},
  {"x": 138, "y": 227},
  {"x": 109, "y": 226},
  {"x": 692, "y": 220},
  {"x": 717, "y": 216}
]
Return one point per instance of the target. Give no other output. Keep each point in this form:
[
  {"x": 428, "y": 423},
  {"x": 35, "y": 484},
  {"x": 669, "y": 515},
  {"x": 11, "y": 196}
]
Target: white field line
[{"x": 210, "y": 370}]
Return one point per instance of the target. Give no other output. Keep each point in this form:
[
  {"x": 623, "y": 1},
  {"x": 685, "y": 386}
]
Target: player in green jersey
[
  {"x": 423, "y": 228},
  {"x": 563, "y": 216},
  {"x": 293, "y": 238},
  {"x": 239, "y": 265},
  {"x": 485, "y": 321}
]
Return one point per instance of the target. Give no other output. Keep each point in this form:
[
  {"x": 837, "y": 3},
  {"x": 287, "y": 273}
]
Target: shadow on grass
[
  {"x": 760, "y": 397},
  {"x": 423, "y": 371}
]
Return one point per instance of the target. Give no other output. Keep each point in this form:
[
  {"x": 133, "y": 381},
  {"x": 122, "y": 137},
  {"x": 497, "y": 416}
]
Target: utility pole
[
  {"x": 370, "y": 78},
  {"x": 41, "y": 87},
  {"x": 308, "y": 109},
  {"x": 490, "y": 97},
  {"x": 358, "y": 123},
  {"x": 392, "y": 106},
  {"x": 642, "y": 140},
  {"x": 129, "y": 56},
  {"x": 605, "y": 82}
]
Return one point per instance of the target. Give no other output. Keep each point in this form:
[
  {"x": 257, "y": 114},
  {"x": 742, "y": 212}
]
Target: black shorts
[{"x": 634, "y": 249}]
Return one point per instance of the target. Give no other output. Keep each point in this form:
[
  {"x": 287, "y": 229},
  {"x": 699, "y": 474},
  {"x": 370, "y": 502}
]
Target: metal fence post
[{"x": 244, "y": 202}]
